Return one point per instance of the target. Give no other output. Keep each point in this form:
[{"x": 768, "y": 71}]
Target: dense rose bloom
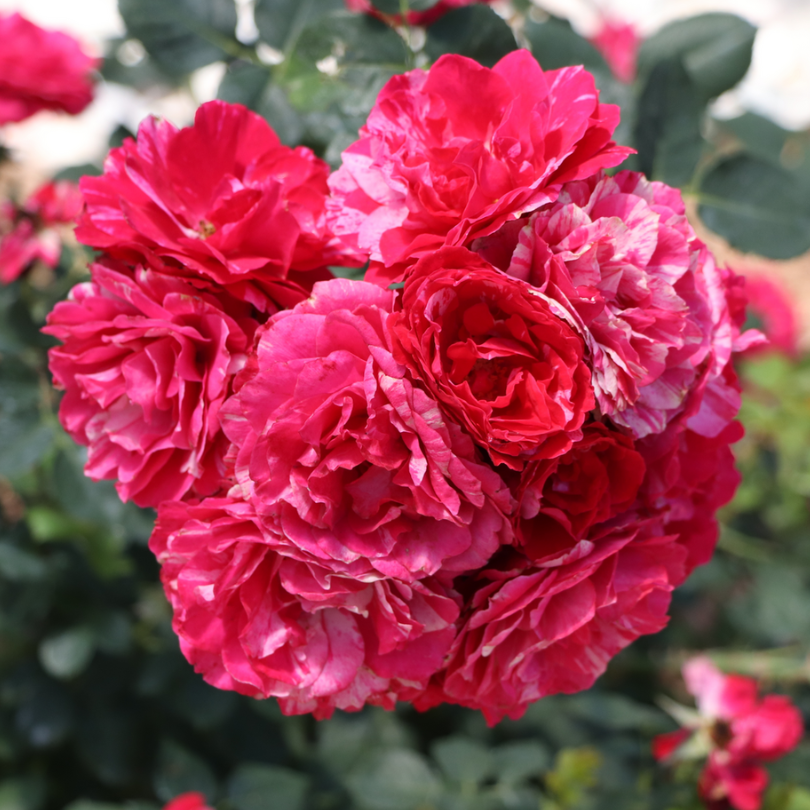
[
  {"x": 691, "y": 477},
  {"x": 348, "y": 457},
  {"x": 619, "y": 255},
  {"x": 427, "y": 17},
  {"x": 770, "y": 304},
  {"x": 41, "y": 70},
  {"x": 597, "y": 479},
  {"x": 30, "y": 233},
  {"x": 146, "y": 364},
  {"x": 532, "y": 630},
  {"x": 452, "y": 154},
  {"x": 496, "y": 356},
  {"x": 253, "y": 617},
  {"x": 188, "y": 801},
  {"x": 618, "y": 42},
  {"x": 223, "y": 199},
  {"x": 737, "y": 730}
]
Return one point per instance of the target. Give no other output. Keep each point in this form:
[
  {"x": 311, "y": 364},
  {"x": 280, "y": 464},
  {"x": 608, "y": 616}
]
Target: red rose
[
  {"x": 529, "y": 631},
  {"x": 223, "y": 199},
  {"x": 452, "y": 154},
  {"x": 41, "y": 70},
  {"x": 496, "y": 356},
  {"x": 147, "y": 362},
  {"x": 253, "y": 617},
  {"x": 597, "y": 479}
]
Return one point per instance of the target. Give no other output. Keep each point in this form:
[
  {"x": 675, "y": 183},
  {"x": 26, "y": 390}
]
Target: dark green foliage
[
  {"x": 475, "y": 31},
  {"x": 757, "y": 206},
  {"x": 98, "y": 708}
]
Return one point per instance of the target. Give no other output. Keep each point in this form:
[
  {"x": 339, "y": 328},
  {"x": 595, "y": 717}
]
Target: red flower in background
[
  {"x": 454, "y": 153},
  {"x": 41, "y": 70},
  {"x": 771, "y": 305},
  {"x": 30, "y": 232},
  {"x": 222, "y": 200},
  {"x": 737, "y": 730},
  {"x": 188, "y": 801},
  {"x": 147, "y": 361},
  {"x": 618, "y": 42},
  {"x": 427, "y": 17}
]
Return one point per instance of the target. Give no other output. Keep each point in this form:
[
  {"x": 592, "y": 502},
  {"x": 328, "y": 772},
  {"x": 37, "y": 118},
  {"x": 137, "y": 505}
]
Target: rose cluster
[
  {"x": 473, "y": 477},
  {"x": 734, "y": 731}
]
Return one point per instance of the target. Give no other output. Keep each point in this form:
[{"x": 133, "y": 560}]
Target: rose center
[{"x": 488, "y": 378}]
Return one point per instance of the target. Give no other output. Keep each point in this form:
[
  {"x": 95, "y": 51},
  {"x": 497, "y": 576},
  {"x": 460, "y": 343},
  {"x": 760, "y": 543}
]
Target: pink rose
[
  {"x": 253, "y": 618},
  {"x": 534, "y": 630},
  {"x": 771, "y": 304},
  {"x": 740, "y": 730},
  {"x": 454, "y": 153},
  {"x": 147, "y": 361},
  {"x": 222, "y": 200},
  {"x": 188, "y": 801},
  {"x": 618, "y": 254},
  {"x": 348, "y": 457},
  {"x": 41, "y": 70},
  {"x": 30, "y": 233},
  {"x": 424, "y": 18},
  {"x": 495, "y": 354},
  {"x": 618, "y": 43}
]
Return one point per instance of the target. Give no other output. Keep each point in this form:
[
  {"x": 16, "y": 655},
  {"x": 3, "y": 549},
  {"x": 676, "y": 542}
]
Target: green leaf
[
  {"x": 179, "y": 771},
  {"x": 463, "y": 760},
  {"x": 22, "y": 793},
  {"x": 396, "y": 779},
  {"x": 18, "y": 565},
  {"x": 757, "y": 207},
  {"x": 106, "y": 742},
  {"x": 280, "y": 22},
  {"x": 517, "y": 761},
  {"x": 67, "y": 654},
  {"x": 475, "y": 31},
  {"x": 274, "y": 106},
  {"x": 351, "y": 39},
  {"x": 46, "y": 717},
  {"x": 555, "y": 44},
  {"x": 668, "y": 120},
  {"x": 182, "y": 35},
  {"x": 257, "y": 787},
  {"x": 715, "y": 50},
  {"x": 243, "y": 83}
]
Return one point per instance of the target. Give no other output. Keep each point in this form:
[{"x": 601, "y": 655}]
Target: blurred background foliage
[{"x": 99, "y": 710}]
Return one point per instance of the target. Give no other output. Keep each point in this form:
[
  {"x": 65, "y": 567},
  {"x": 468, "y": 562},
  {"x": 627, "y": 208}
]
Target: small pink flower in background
[
  {"x": 769, "y": 303},
  {"x": 41, "y": 70},
  {"x": 188, "y": 801},
  {"x": 427, "y": 17},
  {"x": 618, "y": 42},
  {"x": 737, "y": 730},
  {"x": 29, "y": 232}
]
